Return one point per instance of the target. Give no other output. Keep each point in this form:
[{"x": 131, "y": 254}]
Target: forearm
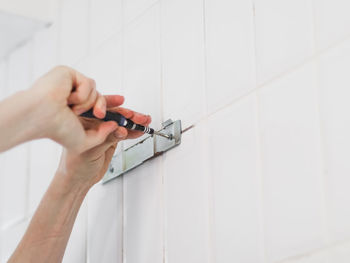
[
  {"x": 18, "y": 121},
  {"x": 47, "y": 235}
]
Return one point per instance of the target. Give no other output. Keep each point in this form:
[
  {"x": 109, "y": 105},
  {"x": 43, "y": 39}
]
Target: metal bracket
[{"x": 144, "y": 150}]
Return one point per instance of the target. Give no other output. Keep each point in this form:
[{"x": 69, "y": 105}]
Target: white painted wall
[{"x": 264, "y": 177}]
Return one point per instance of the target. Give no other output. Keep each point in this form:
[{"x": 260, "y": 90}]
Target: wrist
[
  {"x": 37, "y": 114},
  {"x": 20, "y": 122},
  {"x": 28, "y": 115},
  {"x": 66, "y": 184}
]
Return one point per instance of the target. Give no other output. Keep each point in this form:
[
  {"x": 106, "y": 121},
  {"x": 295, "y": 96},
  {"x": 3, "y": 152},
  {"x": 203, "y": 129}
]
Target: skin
[{"x": 51, "y": 109}]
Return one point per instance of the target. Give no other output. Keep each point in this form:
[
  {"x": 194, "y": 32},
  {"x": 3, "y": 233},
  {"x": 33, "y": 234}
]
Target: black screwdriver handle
[
  {"x": 110, "y": 116},
  {"x": 120, "y": 120}
]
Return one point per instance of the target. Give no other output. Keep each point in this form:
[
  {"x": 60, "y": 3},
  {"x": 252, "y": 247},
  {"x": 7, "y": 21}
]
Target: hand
[
  {"x": 64, "y": 94},
  {"x": 88, "y": 168}
]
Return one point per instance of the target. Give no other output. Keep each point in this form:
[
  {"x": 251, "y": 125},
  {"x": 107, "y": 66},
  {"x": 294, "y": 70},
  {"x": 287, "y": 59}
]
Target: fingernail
[
  {"x": 119, "y": 135},
  {"x": 100, "y": 114}
]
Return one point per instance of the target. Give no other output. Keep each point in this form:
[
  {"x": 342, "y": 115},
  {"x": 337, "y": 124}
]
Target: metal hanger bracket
[{"x": 144, "y": 150}]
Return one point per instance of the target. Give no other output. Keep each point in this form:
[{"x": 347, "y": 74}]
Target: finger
[
  {"x": 134, "y": 116},
  {"x": 114, "y": 100},
  {"x": 148, "y": 121},
  {"x": 89, "y": 123},
  {"x": 116, "y": 136},
  {"x": 100, "y": 107},
  {"x": 123, "y": 111},
  {"x": 112, "y": 139},
  {"x": 87, "y": 105},
  {"x": 121, "y": 133},
  {"x": 82, "y": 91},
  {"x": 98, "y": 136},
  {"x": 108, "y": 155},
  {"x": 134, "y": 134},
  {"x": 140, "y": 119}
]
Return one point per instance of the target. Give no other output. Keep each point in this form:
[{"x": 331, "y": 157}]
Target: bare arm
[
  {"x": 47, "y": 235},
  {"x": 19, "y": 124},
  {"x": 50, "y": 109}
]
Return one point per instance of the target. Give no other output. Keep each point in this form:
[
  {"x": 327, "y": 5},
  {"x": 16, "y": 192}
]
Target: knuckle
[
  {"x": 81, "y": 96},
  {"x": 92, "y": 83},
  {"x": 102, "y": 100},
  {"x": 61, "y": 68}
]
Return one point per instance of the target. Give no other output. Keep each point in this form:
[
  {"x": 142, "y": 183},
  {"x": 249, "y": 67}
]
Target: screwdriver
[{"x": 124, "y": 122}]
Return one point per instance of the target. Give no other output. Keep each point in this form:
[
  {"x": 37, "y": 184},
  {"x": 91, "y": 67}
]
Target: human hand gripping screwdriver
[{"x": 124, "y": 122}]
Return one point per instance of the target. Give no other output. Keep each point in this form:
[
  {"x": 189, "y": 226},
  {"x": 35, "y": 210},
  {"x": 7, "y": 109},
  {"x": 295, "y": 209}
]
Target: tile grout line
[
  {"x": 85, "y": 204},
  {"x": 211, "y": 243},
  {"x": 272, "y": 80},
  {"x": 278, "y": 76},
  {"x": 313, "y": 57},
  {"x": 88, "y": 54},
  {"x": 205, "y": 50},
  {"x": 323, "y": 166},
  {"x": 163, "y": 190},
  {"x": 137, "y": 17},
  {"x": 260, "y": 174},
  {"x": 123, "y": 181}
]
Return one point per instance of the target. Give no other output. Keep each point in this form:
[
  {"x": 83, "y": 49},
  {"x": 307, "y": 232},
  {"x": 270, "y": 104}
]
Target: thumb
[{"x": 95, "y": 137}]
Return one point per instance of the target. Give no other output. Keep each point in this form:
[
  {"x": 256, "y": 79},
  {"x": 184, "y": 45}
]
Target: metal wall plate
[{"x": 144, "y": 150}]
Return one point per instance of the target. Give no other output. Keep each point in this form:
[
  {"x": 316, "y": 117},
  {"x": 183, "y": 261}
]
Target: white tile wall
[
  {"x": 323, "y": 257},
  {"x": 142, "y": 59},
  {"x": 229, "y": 50},
  {"x": 105, "y": 67},
  {"x": 9, "y": 239},
  {"x": 43, "y": 162},
  {"x": 187, "y": 208},
  {"x": 335, "y": 81},
  {"x": 284, "y": 35},
  {"x": 235, "y": 184},
  {"x": 105, "y": 222},
  {"x": 74, "y": 31},
  {"x": 105, "y": 20},
  {"x": 338, "y": 253},
  {"x": 183, "y": 60},
  {"x": 3, "y": 83},
  {"x": 290, "y": 135},
  {"x": 76, "y": 250},
  {"x": 13, "y": 186},
  {"x": 45, "y": 50},
  {"x": 19, "y": 69},
  {"x": 143, "y": 221},
  {"x": 263, "y": 175},
  {"x": 3, "y": 78},
  {"x": 134, "y": 8},
  {"x": 332, "y": 21}
]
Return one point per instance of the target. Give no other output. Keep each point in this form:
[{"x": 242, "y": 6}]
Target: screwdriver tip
[{"x": 169, "y": 137}]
